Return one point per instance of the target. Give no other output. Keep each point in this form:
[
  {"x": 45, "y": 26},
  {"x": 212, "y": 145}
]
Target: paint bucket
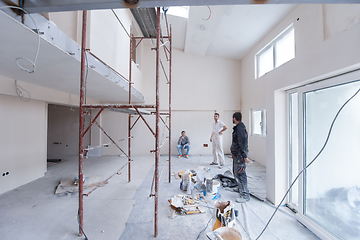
[{"x": 215, "y": 187}]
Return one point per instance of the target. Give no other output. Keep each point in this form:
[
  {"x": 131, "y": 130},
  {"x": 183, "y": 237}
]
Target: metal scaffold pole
[
  {"x": 157, "y": 153},
  {"x": 81, "y": 123},
  {"x": 129, "y": 117},
  {"x": 170, "y": 62}
]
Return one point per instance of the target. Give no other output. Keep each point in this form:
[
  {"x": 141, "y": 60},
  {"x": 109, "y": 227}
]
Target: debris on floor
[
  {"x": 179, "y": 174},
  {"x": 224, "y": 215},
  {"x": 185, "y": 205},
  {"x": 70, "y": 186},
  {"x": 55, "y": 161}
]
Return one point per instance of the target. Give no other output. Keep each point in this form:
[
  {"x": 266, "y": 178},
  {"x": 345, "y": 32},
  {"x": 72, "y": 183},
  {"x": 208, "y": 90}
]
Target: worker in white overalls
[{"x": 218, "y": 128}]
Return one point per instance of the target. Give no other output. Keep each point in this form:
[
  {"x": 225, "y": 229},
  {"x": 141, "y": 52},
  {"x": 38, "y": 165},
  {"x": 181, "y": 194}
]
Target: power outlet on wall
[{"x": 5, "y": 174}]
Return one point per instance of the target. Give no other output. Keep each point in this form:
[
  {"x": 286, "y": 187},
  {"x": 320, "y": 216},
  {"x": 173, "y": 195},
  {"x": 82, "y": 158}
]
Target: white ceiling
[{"x": 225, "y": 31}]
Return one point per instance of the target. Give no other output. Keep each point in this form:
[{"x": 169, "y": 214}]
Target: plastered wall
[
  {"x": 22, "y": 141},
  {"x": 322, "y": 46},
  {"x": 200, "y": 86},
  {"x": 111, "y": 43},
  {"x": 23, "y": 131},
  {"x": 63, "y": 131},
  {"x": 69, "y": 23}
]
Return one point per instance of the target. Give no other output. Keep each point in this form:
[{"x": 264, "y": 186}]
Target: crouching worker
[{"x": 183, "y": 143}]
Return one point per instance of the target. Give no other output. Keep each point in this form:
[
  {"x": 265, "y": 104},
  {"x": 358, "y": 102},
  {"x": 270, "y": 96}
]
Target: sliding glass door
[
  {"x": 329, "y": 192},
  {"x": 293, "y": 148}
]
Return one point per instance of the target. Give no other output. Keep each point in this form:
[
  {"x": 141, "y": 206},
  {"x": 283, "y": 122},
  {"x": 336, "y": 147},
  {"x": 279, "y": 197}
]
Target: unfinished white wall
[
  {"x": 22, "y": 141},
  {"x": 63, "y": 131},
  {"x": 315, "y": 56},
  {"x": 23, "y": 131},
  {"x": 200, "y": 86},
  {"x": 111, "y": 43},
  {"x": 69, "y": 23}
]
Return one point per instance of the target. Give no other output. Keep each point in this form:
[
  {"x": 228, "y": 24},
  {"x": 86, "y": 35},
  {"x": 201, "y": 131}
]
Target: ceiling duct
[{"x": 146, "y": 18}]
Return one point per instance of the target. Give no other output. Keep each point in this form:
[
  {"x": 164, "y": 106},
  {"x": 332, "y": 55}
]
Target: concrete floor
[{"x": 122, "y": 210}]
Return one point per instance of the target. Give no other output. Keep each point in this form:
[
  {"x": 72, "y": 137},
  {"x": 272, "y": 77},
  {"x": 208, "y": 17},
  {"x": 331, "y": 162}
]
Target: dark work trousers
[{"x": 239, "y": 168}]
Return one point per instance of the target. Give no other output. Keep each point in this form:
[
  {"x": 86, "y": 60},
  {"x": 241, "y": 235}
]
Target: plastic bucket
[{"x": 215, "y": 187}]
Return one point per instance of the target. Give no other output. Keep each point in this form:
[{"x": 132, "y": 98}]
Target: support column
[
  {"x": 170, "y": 104},
  {"x": 81, "y": 123},
  {"x": 157, "y": 153},
  {"x": 129, "y": 117}
]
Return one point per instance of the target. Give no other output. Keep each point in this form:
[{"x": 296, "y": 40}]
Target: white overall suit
[{"x": 217, "y": 143}]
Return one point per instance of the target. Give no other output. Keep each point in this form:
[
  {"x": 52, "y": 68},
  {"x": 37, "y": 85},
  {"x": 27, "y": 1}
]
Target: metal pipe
[
  {"x": 117, "y": 106},
  {"x": 145, "y": 122},
  {"x": 105, "y": 181},
  {"x": 135, "y": 122},
  {"x": 150, "y": 37},
  {"x": 93, "y": 121},
  {"x": 170, "y": 104},
  {"x": 137, "y": 43},
  {"x": 99, "y": 59},
  {"x": 81, "y": 124},
  {"x": 157, "y": 154},
  {"x": 164, "y": 123},
  {"x": 129, "y": 116},
  {"x": 167, "y": 79},
  {"x": 106, "y": 134},
  {"x": 120, "y": 22}
]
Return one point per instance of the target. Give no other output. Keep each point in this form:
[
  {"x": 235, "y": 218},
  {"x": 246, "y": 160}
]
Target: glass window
[
  {"x": 285, "y": 48},
  {"x": 279, "y": 51},
  {"x": 293, "y": 148},
  {"x": 266, "y": 63},
  {"x": 332, "y": 182},
  {"x": 258, "y": 122}
]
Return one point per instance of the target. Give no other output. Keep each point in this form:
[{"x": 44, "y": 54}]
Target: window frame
[
  {"x": 263, "y": 121},
  {"x": 272, "y": 43},
  {"x": 329, "y": 80}
]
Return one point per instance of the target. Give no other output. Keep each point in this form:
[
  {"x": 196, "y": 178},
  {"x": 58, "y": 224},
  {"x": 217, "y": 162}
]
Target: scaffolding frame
[{"x": 83, "y": 109}]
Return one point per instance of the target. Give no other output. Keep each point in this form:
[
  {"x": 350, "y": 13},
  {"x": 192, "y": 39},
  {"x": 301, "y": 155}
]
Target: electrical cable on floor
[
  {"x": 204, "y": 228},
  {"x": 311, "y": 162},
  {"x": 82, "y": 230},
  {"x": 33, "y": 63},
  {"x": 20, "y": 94}
]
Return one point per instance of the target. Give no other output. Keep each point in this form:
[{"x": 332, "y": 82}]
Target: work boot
[{"x": 213, "y": 163}]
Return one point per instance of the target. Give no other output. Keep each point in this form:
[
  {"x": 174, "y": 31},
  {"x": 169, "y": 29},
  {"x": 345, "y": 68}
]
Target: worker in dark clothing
[
  {"x": 239, "y": 150},
  {"x": 183, "y": 143}
]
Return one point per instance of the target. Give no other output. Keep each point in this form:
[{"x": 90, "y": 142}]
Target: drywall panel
[
  {"x": 116, "y": 125},
  {"x": 36, "y": 92},
  {"x": 339, "y": 18},
  {"x": 200, "y": 86},
  {"x": 63, "y": 131},
  {"x": 22, "y": 140},
  {"x": 108, "y": 40},
  {"x": 66, "y": 22},
  {"x": 314, "y": 57}
]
